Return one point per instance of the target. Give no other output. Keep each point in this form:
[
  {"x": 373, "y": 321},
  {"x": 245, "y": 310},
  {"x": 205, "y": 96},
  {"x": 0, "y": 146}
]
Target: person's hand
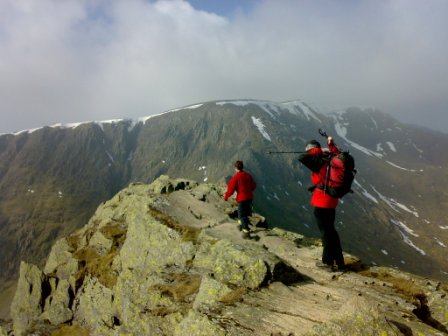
[
  {"x": 225, "y": 199},
  {"x": 330, "y": 140}
]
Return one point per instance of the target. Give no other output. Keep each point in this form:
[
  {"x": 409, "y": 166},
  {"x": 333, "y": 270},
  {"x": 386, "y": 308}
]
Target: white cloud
[{"x": 76, "y": 60}]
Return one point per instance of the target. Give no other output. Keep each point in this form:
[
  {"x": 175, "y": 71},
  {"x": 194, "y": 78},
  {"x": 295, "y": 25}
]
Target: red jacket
[
  {"x": 320, "y": 198},
  {"x": 243, "y": 184}
]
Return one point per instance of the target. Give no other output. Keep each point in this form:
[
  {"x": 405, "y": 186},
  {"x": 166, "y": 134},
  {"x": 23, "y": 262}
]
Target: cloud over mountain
[{"x": 82, "y": 60}]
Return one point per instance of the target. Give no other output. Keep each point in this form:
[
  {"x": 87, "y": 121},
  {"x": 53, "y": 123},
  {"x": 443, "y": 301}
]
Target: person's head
[
  {"x": 239, "y": 165},
  {"x": 311, "y": 145}
]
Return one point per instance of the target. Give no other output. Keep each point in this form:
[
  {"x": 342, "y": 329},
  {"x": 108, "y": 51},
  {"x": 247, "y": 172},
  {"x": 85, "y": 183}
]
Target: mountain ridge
[
  {"x": 167, "y": 258},
  {"x": 51, "y": 180}
]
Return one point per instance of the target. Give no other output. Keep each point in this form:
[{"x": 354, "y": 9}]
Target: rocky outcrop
[{"x": 168, "y": 259}]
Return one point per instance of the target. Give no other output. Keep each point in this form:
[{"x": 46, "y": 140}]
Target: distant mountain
[{"x": 52, "y": 179}]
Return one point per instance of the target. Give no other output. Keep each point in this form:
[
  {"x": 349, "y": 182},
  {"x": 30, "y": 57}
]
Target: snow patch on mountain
[
  {"x": 269, "y": 107},
  {"x": 341, "y": 131},
  {"x": 366, "y": 193},
  {"x": 399, "y": 167},
  {"x": 111, "y": 158},
  {"x": 391, "y": 146},
  {"x": 374, "y": 122},
  {"x": 438, "y": 241},
  {"x": 189, "y": 107},
  {"x": 408, "y": 241},
  {"x": 402, "y": 227},
  {"x": 300, "y": 108},
  {"x": 394, "y": 205},
  {"x": 415, "y": 146},
  {"x": 132, "y": 122},
  {"x": 204, "y": 169},
  {"x": 261, "y": 127},
  {"x": 379, "y": 147}
]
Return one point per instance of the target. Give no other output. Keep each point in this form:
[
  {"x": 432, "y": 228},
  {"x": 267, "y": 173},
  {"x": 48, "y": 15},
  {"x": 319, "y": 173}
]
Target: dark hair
[
  {"x": 312, "y": 144},
  {"x": 239, "y": 165}
]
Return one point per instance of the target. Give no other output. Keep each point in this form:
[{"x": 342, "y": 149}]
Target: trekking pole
[{"x": 323, "y": 133}]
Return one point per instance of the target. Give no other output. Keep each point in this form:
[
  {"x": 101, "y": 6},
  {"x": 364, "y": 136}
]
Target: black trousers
[
  {"x": 244, "y": 212},
  {"x": 332, "y": 252}
]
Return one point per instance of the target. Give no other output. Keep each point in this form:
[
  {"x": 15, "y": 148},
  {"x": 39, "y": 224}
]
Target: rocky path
[
  {"x": 361, "y": 299},
  {"x": 168, "y": 259}
]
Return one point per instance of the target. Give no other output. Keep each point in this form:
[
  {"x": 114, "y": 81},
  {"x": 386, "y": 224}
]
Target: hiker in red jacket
[
  {"x": 244, "y": 185},
  {"x": 325, "y": 206}
]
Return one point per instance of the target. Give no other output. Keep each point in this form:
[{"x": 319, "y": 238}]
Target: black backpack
[{"x": 340, "y": 175}]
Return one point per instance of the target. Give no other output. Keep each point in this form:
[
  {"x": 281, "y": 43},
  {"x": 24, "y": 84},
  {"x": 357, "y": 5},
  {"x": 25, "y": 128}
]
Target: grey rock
[
  {"x": 159, "y": 261},
  {"x": 61, "y": 261},
  {"x": 57, "y": 305},
  {"x": 27, "y": 305},
  {"x": 100, "y": 243},
  {"x": 196, "y": 324},
  {"x": 164, "y": 184},
  {"x": 93, "y": 306},
  {"x": 210, "y": 292},
  {"x": 230, "y": 264}
]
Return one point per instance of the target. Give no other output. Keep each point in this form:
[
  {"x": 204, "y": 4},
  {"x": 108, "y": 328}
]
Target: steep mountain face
[
  {"x": 52, "y": 179},
  {"x": 167, "y": 259}
]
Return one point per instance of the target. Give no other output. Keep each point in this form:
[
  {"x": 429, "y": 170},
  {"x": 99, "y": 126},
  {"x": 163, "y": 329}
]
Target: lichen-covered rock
[
  {"x": 210, "y": 292},
  {"x": 26, "y": 306},
  {"x": 138, "y": 292},
  {"x": 292, "y": 236},
  {"x": 156, "y": 261},
  {"x": 147, "y": 324},
  {"x": 61, "y": 261},
  {"x": 164, "y": 184},
  {"x": 150, "y": 246},
  {"x": 196, "y": 324},
  {"x": 93, "y": 306},
  {"x": 57, "y": 305},
  {"x": 230, "y": 264},
  {"x": 356, "y": 317},
  {"x": 204, "y": 192},
  {"x": 100, "y": 243}
]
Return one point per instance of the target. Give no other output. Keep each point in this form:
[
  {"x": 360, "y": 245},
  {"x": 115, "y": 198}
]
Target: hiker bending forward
[
  {"x": 244, "y": 185},
  {"x": 325, "y": 205}
]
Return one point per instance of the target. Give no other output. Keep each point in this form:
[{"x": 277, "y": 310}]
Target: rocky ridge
[{"x": 167, "y": 259}]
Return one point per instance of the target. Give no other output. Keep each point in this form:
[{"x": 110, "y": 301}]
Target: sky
[{"x": 84, "y": 60}]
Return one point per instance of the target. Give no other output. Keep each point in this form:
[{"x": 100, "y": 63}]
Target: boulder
[
  {"x": 57, "y": 305},
  {"x": 230, "y": 264},
  {"x": 164, "y": 185},
  {"x": 61, "y": 261},
  {"x": 196, "y": 324},
  {"x": 151, "y": 246},
  {"x": 93, "y": 306},
  {"x": 27, "y": 305},
  {"x": 210, "y": 292}
]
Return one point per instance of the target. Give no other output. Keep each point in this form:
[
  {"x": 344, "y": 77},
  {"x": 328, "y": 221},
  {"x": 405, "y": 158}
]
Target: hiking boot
[
  {"x": 341, "y": 268},
  {"x": 322, "y": 265},
  {"x": 246, "y": 234},
  {"x": 240, "y": 226}
]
